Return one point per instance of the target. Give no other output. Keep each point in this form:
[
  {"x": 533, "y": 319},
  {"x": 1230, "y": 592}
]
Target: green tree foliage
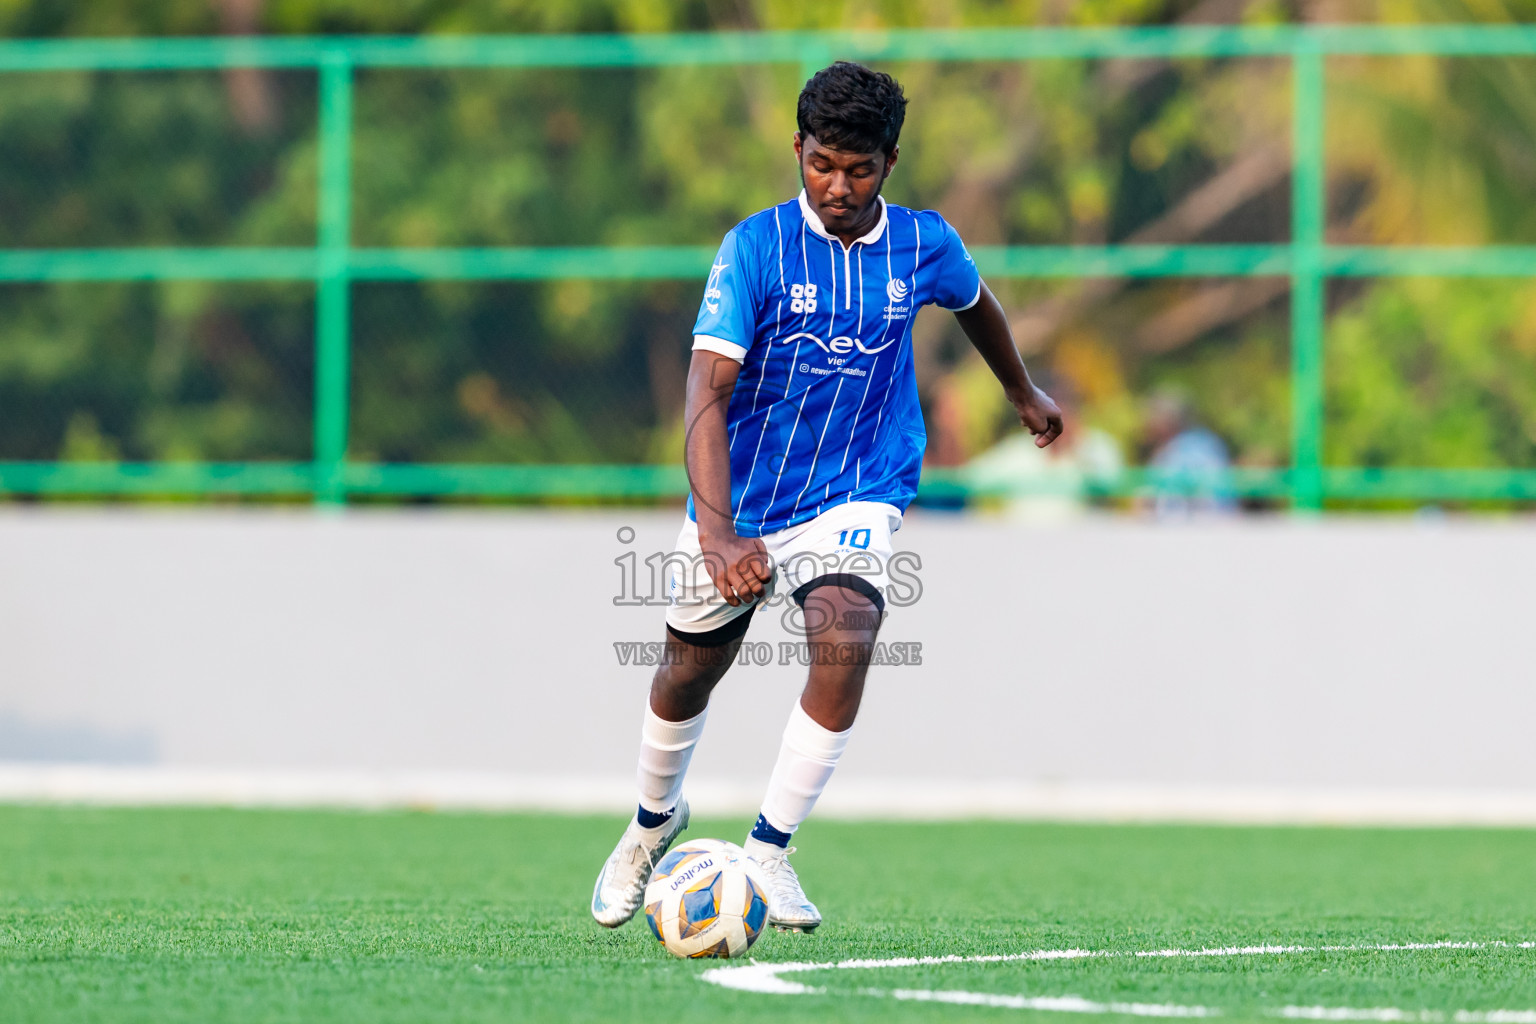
[{"x": 1421, "y": 151}]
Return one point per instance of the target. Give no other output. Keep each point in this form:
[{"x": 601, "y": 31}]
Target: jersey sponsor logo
[
  {"x": 712, "y": 291},
  {"x": 842, "y": 345},
  {"x": 896, "y": 290},
  {"x": 802, "y": 298}
]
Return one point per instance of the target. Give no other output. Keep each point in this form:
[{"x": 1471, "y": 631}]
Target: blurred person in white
[
  {"x": 1055, "y": 484},
  {"x": 1189, "y": 462}
]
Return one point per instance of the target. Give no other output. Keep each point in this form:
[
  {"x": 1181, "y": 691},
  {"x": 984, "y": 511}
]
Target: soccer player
[{"x": 804, "y": 445}]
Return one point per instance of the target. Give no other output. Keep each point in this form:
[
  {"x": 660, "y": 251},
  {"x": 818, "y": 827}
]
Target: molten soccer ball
[{"x": 707, "y": 899}]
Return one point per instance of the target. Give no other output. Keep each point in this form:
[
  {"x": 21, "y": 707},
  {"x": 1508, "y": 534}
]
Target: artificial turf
[{"x": 221, "y": 915}]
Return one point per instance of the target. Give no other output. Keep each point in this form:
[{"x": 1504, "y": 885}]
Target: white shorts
[{"x": 849, "y": 545}]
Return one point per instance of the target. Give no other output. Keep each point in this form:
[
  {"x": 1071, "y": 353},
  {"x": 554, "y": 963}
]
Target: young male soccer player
[{"x": 804, "y": 445}]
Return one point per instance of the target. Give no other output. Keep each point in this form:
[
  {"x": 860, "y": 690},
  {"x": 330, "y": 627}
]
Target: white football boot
[
  {"x": 620, "y": 887},
  {"x": 788, "y": 908}
]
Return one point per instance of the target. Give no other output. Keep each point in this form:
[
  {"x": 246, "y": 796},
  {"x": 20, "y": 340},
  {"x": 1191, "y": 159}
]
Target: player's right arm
[
  {"x": 725, "y": 329},
  {"x": 737, "y": 565}
]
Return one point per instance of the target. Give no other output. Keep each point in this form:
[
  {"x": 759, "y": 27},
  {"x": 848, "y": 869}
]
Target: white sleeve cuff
[
  {"x": 958, "y": 309},
  {"x": 710, "y": 343}
]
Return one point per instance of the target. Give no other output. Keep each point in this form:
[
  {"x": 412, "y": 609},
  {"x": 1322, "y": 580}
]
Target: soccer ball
[{"x": 707, "y": 899}]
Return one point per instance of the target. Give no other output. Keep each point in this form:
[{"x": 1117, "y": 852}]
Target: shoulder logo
[
  {"x": 896, "y": 290},
  {"x": 712, "y": 289}
]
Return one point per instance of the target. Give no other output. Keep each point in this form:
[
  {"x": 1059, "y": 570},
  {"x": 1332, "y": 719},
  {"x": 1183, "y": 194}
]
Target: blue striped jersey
[{"x": 825, "y": 408}]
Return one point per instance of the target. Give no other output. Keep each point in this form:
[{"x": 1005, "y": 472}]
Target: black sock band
[
  {"x": 653, "y": 819},
  {"x": 768, "y": 834}
]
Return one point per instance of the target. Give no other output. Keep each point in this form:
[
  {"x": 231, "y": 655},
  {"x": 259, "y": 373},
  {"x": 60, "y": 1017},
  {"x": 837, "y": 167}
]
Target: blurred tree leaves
[{"x": 1421, "y": 150}]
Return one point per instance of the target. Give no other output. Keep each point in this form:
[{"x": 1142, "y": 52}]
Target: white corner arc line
[
  {"x": 767, "y": 979},
  {"x": 1058, "y": 1004}
]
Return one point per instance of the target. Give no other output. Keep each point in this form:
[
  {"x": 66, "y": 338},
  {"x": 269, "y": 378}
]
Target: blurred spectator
[
  {"x": 1055, "y": 483},
  {"x": 1264, "y": 460},
  {"x": 1188, "y": 463}
]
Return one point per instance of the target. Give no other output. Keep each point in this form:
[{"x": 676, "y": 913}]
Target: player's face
[{"x": 842, "y": 186}]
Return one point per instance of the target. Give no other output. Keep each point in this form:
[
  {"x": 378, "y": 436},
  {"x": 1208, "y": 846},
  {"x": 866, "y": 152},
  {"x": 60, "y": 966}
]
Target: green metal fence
[{"x": 333, "y": 263}]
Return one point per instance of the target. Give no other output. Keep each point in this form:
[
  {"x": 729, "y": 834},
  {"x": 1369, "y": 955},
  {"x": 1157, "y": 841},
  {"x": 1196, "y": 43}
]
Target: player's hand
[
  {"x": 738, "y": 566},
  {"x": 1039, "y": 415}
]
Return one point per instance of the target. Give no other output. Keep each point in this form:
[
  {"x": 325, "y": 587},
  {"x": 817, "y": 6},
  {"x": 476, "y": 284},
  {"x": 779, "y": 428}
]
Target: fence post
[
  {"x": 1308, "y": 214},
  {"x": 333, "y": 288}
]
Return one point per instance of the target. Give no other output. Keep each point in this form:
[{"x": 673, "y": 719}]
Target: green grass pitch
[{"x": 178, "y": 915}]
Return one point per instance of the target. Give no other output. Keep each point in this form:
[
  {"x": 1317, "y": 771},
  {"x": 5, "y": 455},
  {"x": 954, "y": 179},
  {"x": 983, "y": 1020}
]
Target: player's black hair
[{"x": 849, "y": 107}]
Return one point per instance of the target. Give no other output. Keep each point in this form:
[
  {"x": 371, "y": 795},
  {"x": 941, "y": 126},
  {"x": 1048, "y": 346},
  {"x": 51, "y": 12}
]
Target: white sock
[
  {"x": 665, "y": 750},
  {"x": 806, "y": 761}
]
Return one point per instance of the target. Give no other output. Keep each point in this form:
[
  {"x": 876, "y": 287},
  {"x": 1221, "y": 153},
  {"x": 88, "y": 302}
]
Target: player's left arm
[{"x": 986, "y": 325}]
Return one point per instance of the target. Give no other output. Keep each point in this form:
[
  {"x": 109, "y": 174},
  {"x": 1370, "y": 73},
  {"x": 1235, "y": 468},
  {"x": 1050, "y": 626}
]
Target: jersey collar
[{"x": 814, "y": 222}]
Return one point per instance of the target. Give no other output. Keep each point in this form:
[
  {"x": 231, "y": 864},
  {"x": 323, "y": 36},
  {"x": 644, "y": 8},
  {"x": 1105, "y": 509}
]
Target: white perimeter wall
[{"x": 1066, "y": 668}]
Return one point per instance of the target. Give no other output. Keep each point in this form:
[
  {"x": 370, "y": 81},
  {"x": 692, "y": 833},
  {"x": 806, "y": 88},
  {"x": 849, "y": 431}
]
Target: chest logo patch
[
  {"x": 899, "y": 293},
  {"x": 802, "y": 298}
]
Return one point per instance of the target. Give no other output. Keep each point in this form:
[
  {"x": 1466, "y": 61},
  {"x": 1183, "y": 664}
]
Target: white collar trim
[{"x": 814, "y": 222}]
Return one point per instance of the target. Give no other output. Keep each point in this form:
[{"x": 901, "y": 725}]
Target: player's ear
[
  {"x": 799, "y": 147},
  {"x": 890, "y": 160}
]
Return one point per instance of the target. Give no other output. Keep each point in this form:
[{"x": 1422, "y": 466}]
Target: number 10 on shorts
[{"x": 854, "y": 538}]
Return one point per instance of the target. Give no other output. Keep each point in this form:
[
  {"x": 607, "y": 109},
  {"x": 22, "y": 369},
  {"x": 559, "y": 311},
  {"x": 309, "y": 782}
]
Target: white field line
[
  {"x": 1058, "y": 1004},
  {"x": 1383, "y": 1013},
  {"x": 1391, "y": 1013},
  {"x": 767, "y": 979}
]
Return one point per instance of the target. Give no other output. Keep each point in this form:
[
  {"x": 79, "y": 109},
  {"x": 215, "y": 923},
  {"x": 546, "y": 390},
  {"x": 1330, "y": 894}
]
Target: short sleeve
[
  {"x": 727, "y": 318},
  {"x": 959, "y": 283}
]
